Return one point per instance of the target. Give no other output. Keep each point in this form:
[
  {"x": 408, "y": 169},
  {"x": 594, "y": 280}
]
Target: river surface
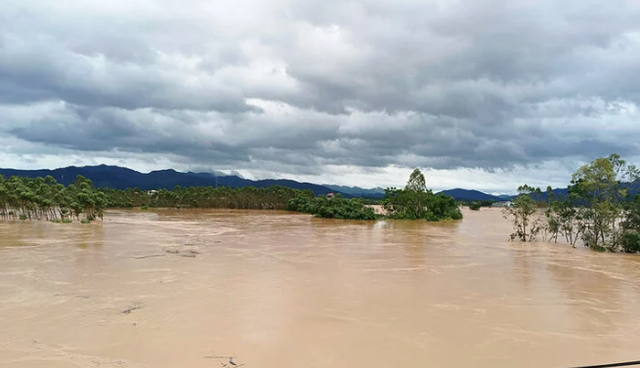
[{"x": 171, "y": 288}]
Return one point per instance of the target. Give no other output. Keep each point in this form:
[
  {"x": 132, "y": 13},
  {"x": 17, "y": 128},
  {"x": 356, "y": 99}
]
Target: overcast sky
[{"x": 484, "y": 94}]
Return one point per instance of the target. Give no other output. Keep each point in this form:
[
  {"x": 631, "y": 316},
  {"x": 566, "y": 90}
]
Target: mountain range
[
  {"x": 116, "y": 177},
  {"x": 472, "y": 195}
]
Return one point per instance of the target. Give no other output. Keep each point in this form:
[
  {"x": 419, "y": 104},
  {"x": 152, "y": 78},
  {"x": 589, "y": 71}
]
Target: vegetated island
[
  {"x": 597, "y": 212},
  {"x": 44, "y": 199}
]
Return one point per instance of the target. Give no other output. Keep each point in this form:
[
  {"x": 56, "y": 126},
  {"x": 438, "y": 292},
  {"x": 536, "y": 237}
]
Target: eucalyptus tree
[
  {"x": 598, "y": 209},
  {"x": 599, "y": 186},
  {"x": 524, "y": 215},
  {"x": 45, "y": 199}
]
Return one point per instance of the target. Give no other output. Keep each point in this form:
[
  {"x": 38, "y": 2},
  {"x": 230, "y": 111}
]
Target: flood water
[{"x": 172, "y": 288}]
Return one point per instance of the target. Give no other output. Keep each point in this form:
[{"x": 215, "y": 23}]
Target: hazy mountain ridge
[
  {"x": 470, "y": 195},
  {"x": 357, "y": 191}
]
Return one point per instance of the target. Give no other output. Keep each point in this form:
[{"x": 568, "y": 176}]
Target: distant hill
[
  {"x": 357, "y": 191},
  {"x": 470, "y": 195},
  {"x": 633, "y": 188},
  {"x": 116, "y": 177},
  {"x": 458, "y": 194}
]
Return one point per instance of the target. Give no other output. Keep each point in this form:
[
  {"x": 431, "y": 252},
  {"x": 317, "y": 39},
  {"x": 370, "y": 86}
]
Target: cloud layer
[{"x": 326, "y": 91}]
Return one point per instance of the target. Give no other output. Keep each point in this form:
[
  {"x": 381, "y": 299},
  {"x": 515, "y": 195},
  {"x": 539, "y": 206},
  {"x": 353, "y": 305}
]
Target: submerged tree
[{"x": 475, "y": 206}]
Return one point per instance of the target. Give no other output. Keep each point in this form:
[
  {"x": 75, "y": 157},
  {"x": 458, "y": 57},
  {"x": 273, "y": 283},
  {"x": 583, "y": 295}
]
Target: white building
[{"x": 501, "y": 204}]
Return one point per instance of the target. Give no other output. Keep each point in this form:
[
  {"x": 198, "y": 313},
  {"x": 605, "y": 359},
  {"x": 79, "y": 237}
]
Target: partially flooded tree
[
  {"x": 598, "y": 209},
  {"x": 417, "y": 188},
  {"x": 523, "y": 214},
  {"x": 602, "y": 195},
  {"x": 45, "y": 199},
  {"x": 564, "y": 217},
  {"x": 416, "y": 201},
  {"x": 630, "y": 238}
]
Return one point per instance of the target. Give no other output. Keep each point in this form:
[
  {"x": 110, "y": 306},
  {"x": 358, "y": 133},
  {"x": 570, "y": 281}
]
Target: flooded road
[{"x": 271, "y": 289}]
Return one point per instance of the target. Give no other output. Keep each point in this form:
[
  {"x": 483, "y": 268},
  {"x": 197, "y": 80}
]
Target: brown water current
[{"x": 171, "y": 288}]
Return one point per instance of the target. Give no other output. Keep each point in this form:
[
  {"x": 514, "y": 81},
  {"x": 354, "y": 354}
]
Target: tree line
[
  {"x": 45, "y": 199},
  {"x": 598, "y": 212},
  {"x": 249, "y": 198}
]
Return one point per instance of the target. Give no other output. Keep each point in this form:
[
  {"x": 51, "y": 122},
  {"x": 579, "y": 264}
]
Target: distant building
[
  {"x": 501, "y": 204},
  {"x": 152, "y": 192},
  {"x": 330, "y": 195}
]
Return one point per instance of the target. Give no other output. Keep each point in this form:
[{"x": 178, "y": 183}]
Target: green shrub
[
  {"x": 56, "y": 221},
  {"x": 337, "y": 207},
  {"x": 67, "y": 221},
  {"x": 430, "y": 216},
  {"x": 455, "y": 214},
  {"x": 145, "y": 207},
  {"x": 443, "y": 207},
  {"x": 23, "y": 217},
  {"x": 475, "y": 206},
  {"x": 85, "y": 221},
  {"x": 630, "y": 241}
]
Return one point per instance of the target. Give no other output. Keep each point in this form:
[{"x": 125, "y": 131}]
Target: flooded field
[{"x": 190, "y": 289}]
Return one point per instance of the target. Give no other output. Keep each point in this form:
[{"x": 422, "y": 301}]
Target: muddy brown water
[{"x": 189, "y": 289}]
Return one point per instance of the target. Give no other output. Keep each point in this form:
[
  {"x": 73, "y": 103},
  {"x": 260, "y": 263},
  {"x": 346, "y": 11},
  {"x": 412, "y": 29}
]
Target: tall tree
[
  {"x": 417, "y": 186},
  {"x": 599, "y": 187},
  {"x": 522, "y": 213},
  {"x": 416, "y": 201}
]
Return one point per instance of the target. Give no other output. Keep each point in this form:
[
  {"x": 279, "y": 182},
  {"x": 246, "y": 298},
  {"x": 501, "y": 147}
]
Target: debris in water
[
  {"x": 135, "y": 307},
  {"x": 229, "y": 363},
  {"x": 150, "y": 256}
]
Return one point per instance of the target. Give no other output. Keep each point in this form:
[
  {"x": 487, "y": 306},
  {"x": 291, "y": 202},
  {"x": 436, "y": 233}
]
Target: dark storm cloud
[{"x": 301, "y": 84}]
